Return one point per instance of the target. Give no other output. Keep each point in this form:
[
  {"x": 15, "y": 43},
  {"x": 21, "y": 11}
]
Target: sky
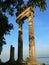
[{"x": 41, "y": 34}]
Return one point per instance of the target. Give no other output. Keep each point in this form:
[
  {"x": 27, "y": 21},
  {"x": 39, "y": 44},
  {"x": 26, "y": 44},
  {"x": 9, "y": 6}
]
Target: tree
[
  {"x": 5, "y": 28},
  {"x": 10, "y": 6}
]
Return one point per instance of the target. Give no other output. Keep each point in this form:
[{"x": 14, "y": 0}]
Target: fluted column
[
  {"x": 31, "y": 38},
  {"x": 20, "y": 44}
]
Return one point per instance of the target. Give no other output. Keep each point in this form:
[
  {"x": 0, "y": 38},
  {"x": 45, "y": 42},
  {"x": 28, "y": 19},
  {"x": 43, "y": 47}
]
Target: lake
[{"x": 43, "y": 60}]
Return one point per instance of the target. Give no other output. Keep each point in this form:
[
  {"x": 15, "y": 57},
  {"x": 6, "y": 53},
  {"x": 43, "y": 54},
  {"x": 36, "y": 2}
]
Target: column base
[
  {"x": 20, "y": 63},
  {"x": 29, "y": 63},
  {"x": 33, "y": 61}
]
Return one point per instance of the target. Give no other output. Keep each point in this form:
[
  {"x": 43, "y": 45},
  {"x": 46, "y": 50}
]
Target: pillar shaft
[
  {"x": 11, "y": 53},
  {"x": 20, "y": 44},
  {"x": 31, "y": 38}
]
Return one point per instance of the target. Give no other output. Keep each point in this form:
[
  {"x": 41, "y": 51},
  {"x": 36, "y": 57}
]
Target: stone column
[
  {"x": 20, "y": 44},
  {"x": 31, "y": 38},
  {"x": 11, "y": 53}
]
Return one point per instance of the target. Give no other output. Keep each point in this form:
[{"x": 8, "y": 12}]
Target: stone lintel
[{"x": 24, "y": 13}]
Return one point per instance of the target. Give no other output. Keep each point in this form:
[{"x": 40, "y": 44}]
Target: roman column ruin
[
  {"x": 11, "y": 53},
  {"x": 20, "y": 43},
  {"x": 31, "y": 37},
  {"x": 27, "y": 12}
]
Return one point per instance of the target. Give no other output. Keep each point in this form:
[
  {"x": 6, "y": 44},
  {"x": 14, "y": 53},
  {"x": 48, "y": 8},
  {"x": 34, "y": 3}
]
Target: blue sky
[{"x": 41, "y": 34}]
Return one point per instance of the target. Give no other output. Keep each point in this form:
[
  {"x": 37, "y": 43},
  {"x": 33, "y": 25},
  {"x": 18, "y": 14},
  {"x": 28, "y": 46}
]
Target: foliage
[
  {"x": 5, "y": 28},
  {"x": 11, "y": 5},
  {"x": 39, "y": 3}
]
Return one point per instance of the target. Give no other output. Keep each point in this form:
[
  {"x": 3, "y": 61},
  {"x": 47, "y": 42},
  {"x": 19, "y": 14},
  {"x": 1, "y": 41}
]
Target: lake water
[{"x": 43, "y": 60}]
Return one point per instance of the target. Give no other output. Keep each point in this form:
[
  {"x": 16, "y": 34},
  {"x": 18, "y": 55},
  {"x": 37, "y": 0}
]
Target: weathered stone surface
[
  {"x": 11, "y": 53},
  {"x": 20, "y": 44},
  {"x": 27, "y": 13},
  {"x": 24, "y": 14},
  {"x": 31, "y": 39}
]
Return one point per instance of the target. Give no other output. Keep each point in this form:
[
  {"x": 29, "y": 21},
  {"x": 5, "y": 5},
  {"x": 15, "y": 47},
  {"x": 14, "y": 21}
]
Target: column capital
[
  {"x": 20, "y": 22},
  {"x": 20, "y": 26}
]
